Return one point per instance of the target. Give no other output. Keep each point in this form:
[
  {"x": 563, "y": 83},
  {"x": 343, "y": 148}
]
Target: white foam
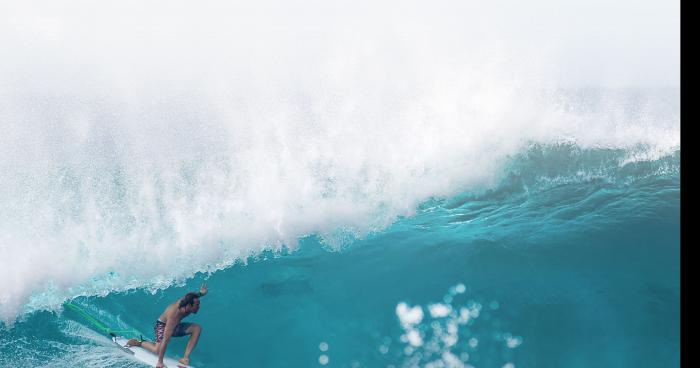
[{"x": 137, "y": 149}]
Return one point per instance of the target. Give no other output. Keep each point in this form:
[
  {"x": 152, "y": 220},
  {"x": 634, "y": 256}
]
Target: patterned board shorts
[{"x": 180, "y": 330}]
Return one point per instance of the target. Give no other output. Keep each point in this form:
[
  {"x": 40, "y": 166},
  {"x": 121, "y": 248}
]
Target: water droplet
[
  {"x": 323, "y": 359},
  {"x": 514, "y": 342},
  {"x": 474, "y": 313}
]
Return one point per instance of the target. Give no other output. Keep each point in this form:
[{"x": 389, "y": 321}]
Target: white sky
[{"x": 591, "y": 42}]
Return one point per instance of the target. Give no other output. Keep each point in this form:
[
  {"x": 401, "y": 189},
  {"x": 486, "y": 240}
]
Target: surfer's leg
[
  {"x": 159, "y": 330},
  {"x": 152, "y": 347},
  {"x": 194, "y": 330}
]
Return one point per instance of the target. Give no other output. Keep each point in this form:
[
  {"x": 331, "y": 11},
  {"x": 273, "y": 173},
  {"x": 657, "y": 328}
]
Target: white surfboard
[{"x": 145, "y": 355}]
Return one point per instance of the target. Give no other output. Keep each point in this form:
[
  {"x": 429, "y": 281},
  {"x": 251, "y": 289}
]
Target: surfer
[{"x": 169, "y": 324}]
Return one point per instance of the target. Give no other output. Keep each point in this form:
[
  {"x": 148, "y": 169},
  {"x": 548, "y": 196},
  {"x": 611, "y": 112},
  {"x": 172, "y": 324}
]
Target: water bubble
[
  {"x": 452, "y": 328},
  {"x": 494, "y": 305},
  {"x": 323, "y": 346},
  {"x": 464, "y": 357},
  {"x": 460, "y": 288},
  {"x": 433, "y": 346},
  {"x": 509, "y": 365},
  {"x": 409, "y": 316},
  {"x": 414, "y": 338},
  {"x": 383, "y": 349},
  {"x": 447, "y": 299},
  {"x": 408, "y": 350},
  {"x": 473, "y": 342},
  {"x": 323, "y": 359},
  {"x": 463, "y": 315},
  {"x": 474, "y": 313},
  {"x": 449, "y": 340},
  {"x": 514, "y": 342},
  {"x": 439, "y": 310},
  {"x": 451, "y": 360}
]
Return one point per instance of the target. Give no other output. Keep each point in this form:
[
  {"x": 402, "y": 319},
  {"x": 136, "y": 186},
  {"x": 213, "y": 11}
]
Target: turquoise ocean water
[{"x": 580, "y": 271}]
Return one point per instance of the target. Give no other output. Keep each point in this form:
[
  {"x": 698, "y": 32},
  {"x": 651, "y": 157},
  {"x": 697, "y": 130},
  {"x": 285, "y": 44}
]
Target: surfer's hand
[
  {"x": 203, "y": 289},
  {"x": 160, "y": 365}
]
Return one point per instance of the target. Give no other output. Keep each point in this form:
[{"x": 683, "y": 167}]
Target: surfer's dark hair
[{"x": 188, "y": 299}]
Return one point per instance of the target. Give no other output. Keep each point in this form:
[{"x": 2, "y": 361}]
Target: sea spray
[{"x": 448, "y": 337}]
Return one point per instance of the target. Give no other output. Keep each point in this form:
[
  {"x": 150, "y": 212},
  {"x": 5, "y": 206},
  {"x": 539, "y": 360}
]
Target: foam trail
[{"x": 138, "y": 148}]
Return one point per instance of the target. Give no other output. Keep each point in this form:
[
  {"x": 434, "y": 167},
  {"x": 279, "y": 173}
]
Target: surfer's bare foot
[
  {"x": 133, "y": 342},
  {"x": 185, "y": 361}
]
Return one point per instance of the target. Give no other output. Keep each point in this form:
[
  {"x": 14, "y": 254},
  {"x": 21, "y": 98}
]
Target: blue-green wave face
[
  {"x": 351, "y": 202},
  {"x": 572, "y": 259}
]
